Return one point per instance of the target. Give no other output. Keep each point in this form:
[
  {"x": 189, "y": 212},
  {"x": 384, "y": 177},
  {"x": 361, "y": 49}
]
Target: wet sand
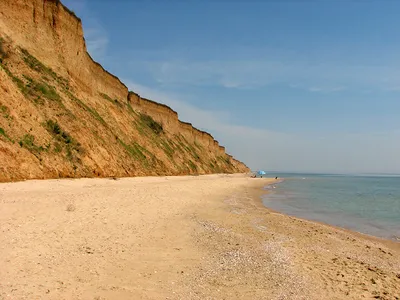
[{"x": 192, "y": 237}]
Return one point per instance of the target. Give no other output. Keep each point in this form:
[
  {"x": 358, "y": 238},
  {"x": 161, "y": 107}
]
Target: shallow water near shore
[{"x": 367, "y": 204}]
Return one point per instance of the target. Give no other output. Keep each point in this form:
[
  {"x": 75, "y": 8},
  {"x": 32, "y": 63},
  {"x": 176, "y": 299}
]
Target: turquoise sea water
[{"x": 367, "y": 204}]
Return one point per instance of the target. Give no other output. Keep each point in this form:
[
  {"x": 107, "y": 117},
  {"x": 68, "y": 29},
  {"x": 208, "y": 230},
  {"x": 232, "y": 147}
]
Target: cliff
[{"x": 63, "y": 115}]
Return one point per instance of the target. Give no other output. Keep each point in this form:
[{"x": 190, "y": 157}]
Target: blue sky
[{"x": 284, "y": 85}]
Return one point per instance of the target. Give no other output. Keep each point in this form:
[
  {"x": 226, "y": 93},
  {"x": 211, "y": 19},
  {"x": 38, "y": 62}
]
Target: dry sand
[{"x": 203, "y": 237}]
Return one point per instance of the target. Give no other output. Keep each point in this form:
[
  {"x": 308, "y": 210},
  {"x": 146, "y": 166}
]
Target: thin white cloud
[
  {"x": 326, "y": 78},
  {"x": 187, "y": 112},
  {"x": 230, "y": 84},
  {"x": 96, "y": 40},
  {"x": 325, "y": 89},
  {"x": 261, "y": 148}
]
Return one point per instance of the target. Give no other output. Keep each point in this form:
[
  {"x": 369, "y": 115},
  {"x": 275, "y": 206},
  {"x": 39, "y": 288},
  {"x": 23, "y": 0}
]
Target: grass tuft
[
  {"x": 34, "y": 90},
  {"x": 35, "y": 64},
  {"x": 105, "y": 96},
  {"x": 15, "y": 79},
  {"x": 108, "y": 98},
  {"x": 130, "y": 108},
  {"x": 188, "y": 147},
  {"x": 3, "y": 108},
  {"x": 39, "y": 67},
  {"x": 135, "y": 150},
  {"x": 57, "y": 147},
  {"x": 192, "y": 166},
  {"x": 86, "y": 107},
  {"x": 3, "y": 53},
  {"x": 151, "y": 123},
  {"x": 5, "y": 111},
  {"x": 167, "y": 149},
  {"x": 28, "y": 142},
  {"x": 63, "y": 140},
  {"x": 141, "y": 154},
  {"x": 198, "y": 146},
  {"x": 47, "y": 91},
  {"x": 3, "y": 133}
]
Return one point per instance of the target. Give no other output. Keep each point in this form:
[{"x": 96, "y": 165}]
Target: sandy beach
[{"x": 189, "y": 237}]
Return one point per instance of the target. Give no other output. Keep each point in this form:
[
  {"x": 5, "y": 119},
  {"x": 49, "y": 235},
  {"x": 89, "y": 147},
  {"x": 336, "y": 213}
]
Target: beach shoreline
[
  {"x": 384, "y": 239},
  {"x": 193, "y": 237}
]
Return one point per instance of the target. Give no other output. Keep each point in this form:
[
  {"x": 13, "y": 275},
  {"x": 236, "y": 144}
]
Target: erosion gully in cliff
[{"x": 63, "y": 115}]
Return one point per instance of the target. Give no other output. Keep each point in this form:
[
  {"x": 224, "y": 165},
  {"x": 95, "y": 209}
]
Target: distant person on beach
[{"x": 276, "y": 177}]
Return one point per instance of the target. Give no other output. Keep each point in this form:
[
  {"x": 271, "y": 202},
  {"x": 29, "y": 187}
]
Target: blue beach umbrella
[{"x": 261, "y": 172}]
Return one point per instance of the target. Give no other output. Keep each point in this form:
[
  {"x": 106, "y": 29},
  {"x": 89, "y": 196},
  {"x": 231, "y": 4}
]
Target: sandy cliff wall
[
  {"x": 51, "y": 24},
  {"x": 54, "y": 36},
  {"x": 169, "y": 119}
]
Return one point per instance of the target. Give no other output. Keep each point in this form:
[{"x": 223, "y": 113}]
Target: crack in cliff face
[{"x": 98, "y": 127}]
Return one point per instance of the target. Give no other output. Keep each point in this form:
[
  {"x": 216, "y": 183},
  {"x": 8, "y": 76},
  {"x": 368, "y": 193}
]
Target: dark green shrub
[
  {"x": 63, "y": 139},
  {"x": 53, "y": 127},
  {"x": 47, "y": 91},
  {"x": 108, "y": 98},
  {"x": 57, "y": 147},
  {"x": 28, "y": 142},
  {"x": 3, "y": 53},
  {"x": 151, "y": 123}
]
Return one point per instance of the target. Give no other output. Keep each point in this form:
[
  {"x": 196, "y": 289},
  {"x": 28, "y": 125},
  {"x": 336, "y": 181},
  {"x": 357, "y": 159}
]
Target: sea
[{"x": 368, "y": 204}]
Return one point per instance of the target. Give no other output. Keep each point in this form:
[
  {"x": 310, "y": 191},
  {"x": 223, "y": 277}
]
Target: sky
[{"x": 299, "y": 86}]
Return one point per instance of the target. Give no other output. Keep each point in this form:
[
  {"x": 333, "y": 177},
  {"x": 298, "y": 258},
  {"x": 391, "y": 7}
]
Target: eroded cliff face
[{"x": 63, "y": 115}]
